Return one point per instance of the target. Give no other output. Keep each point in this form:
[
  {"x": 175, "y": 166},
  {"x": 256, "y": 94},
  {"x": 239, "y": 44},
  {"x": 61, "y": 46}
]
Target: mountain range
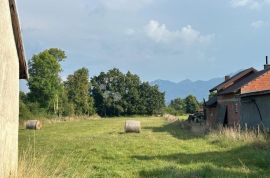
[{"x": 182, "y": 89}]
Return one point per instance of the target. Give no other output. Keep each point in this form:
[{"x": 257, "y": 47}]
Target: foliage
[
  {"x": 192, "y": 104},
  {"x": 212, "y": 94},
  {"x": 151, "y": 99},
  {"x": 44, "y": 81},
  {"x": 78, "y": 92},
  {"x": 25, "y": 112},
  {"x": 117, "y": 94},
  {"x": 177, "y": 107},
  {"x": 109, "y": 94}
]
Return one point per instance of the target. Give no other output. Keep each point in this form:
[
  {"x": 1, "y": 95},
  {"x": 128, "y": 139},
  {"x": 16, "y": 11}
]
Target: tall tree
[
  {"x": 178, "y": 105},
  {"x": 152, "y": 100},
  {"x": 44, "y": 81},
  {"x": 192, "y": 104},
  {"x": 108, "y": 92},
  {"x": 78, "y": 92},
  {"x": 117, "y": 94},
  {"x": 132, "y": 94}
]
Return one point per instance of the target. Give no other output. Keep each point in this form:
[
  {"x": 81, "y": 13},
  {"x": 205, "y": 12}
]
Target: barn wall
[
  {"x": 211, "y": 114},
  {"x": 250, "y": 114},
  {"x": 232, "y": 103},
  {"x": 9, "y": 94}
]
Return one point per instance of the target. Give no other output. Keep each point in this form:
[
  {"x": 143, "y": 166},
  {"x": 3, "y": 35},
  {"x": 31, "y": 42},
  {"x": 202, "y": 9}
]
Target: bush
[{"x": 24, "y": 113}]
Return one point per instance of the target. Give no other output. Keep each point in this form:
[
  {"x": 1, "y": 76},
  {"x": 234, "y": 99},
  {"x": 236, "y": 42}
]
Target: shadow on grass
[
  {"x": 175, "y": 130},
  {"x": 204, "y": 172},
  {"x": 247, "y": 161}
]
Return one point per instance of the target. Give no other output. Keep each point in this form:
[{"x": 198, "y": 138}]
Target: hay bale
[
  {"x": 170, "y": 118},
  {"x": 33, "y": 124},
  {"x": 132, "y": 126}
]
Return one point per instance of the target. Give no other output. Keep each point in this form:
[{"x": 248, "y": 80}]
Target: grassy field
[{"x": 99, "y": 148}]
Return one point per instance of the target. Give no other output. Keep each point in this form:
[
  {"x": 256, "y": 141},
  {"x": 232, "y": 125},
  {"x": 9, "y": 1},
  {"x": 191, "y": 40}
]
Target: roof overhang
[
  {"x": 18, "y": 40},
  {"x": 255, "y": 93},
  {"x": 233, "y": 79}
]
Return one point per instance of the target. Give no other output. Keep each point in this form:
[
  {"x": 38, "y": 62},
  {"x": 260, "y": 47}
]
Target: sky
[{"x": 156, "y": 39}]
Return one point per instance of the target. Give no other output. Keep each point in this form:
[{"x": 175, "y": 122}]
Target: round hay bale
[
  {"x": 132, "y": 126},
  {"x": 33, "y": 124}
]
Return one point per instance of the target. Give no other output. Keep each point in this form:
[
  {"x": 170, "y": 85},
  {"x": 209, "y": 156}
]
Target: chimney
[
  {"x": 266, "y": 66},
  {"x": 227, "y": 77}
]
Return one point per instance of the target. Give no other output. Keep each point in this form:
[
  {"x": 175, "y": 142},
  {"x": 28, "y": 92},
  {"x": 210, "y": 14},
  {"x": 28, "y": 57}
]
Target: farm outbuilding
[
  {"x": 12, "y": 68},
  {"x": 241, "y": 99}
]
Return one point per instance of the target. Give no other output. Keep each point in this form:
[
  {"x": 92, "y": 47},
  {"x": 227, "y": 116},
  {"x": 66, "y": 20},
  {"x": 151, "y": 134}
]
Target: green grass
[{"x": 99, "y": 148}]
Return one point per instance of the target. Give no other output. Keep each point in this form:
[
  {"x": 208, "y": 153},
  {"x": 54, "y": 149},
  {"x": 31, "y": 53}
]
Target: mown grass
[{"x": 100, "y": 148}]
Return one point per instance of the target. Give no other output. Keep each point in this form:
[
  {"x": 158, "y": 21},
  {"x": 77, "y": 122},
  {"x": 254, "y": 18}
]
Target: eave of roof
[
  {"x": 234, "y": 78},
  {"x": 211, "y": 102},
  {"x": 18, "y": 40},
  {"x": 235, "y": 88},
  {"x": 257, "y": 93}
]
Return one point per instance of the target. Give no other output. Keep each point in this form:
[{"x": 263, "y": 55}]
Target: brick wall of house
[
  {"x": 233, "y": 105},
  {"x": 259, "y": 84}
]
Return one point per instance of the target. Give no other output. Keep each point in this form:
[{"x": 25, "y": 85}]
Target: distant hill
[{"x": 199, "y": 88}]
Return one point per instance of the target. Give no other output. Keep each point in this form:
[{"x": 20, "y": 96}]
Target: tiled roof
[
  {"x": 234, "y": 79},
  {"x": 237, "y": 86}
]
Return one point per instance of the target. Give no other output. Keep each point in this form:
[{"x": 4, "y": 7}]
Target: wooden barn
[
  {"x": 12, "y": 68},
  {"x": 241, "y": 99}
]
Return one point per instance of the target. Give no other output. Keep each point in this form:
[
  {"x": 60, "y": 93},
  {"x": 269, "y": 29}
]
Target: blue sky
[{"x": 156, "y": 39}]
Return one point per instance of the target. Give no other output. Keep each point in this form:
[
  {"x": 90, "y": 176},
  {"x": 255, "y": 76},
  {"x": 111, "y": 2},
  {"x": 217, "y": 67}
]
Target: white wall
[{"x": 9, "y": 94}]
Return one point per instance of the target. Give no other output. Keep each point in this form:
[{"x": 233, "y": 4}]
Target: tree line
[
  {"x": 188, "y": 105},
  {"x": 109, "y": 94}
]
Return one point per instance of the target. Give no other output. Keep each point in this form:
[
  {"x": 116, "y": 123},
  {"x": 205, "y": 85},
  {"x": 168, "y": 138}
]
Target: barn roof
[
  {"x": 211, "y": 102},
  {"x": 238, "y": 85},
  {"x": 18, "y": 40},
  {"x": 234, "y": 79}
]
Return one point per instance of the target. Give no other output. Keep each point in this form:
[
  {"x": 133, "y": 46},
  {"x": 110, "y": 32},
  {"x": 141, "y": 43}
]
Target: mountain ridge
[{"x": 182, "y": 89}]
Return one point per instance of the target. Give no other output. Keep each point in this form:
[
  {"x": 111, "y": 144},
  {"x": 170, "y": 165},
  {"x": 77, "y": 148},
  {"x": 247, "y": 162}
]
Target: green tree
[
  {"x": 212, "y": 94},
  {"x": 25, "y": 112},
  {"x": 152, "y": 101},
  {"x": 108, "y": 92},
  {"x": 44, "y": 81},
  {"x": 78, "y": 92},
  {"x": 132, "y": 93},
  {"x": 118, "y": 94},
  {"x": 178, "y": 106},
  {"x": 192, "y": 104}
]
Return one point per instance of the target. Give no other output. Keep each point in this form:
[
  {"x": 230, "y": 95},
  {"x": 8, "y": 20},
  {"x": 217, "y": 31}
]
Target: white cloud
[
  {"x": 259, "y": 24},
  {"x": 130, "y": 31},
  {"x": 125, "y": 5},
  {"x": 187, "y": 35},
  {"x": 250, "y": 4}
]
